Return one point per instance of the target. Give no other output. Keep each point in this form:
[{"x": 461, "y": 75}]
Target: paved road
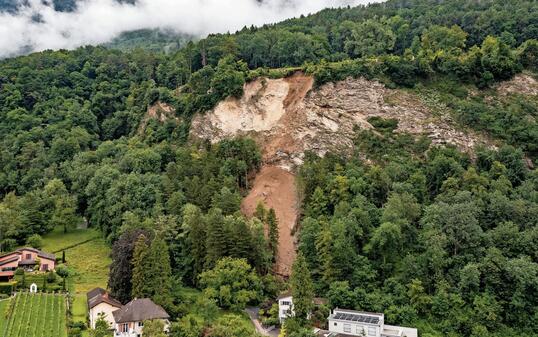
[{"x": 253, "y": 314}]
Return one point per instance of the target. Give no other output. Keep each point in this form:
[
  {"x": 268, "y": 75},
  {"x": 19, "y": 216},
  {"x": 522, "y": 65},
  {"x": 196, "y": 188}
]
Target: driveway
[{"x": 253, "y": 314}]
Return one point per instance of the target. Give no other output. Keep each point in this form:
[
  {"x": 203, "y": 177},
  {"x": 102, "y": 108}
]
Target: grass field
[
  {"x": 36, "y": 315},
  {"x": 90, "y": 261},
  {"x": 57, "y": 240},
  {"x": 3, "y": 306},
  {"x": 86, "y": 253}
]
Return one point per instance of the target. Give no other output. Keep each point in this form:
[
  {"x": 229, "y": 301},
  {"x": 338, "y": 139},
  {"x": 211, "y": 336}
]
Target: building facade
[
  {"x": 100, "y": 304},
  {"x": 129, "y": 320},
  {"x": 346, "y": 323},
  {"x": 285, "y": 307},
  {"x": 27, "y": 258}
]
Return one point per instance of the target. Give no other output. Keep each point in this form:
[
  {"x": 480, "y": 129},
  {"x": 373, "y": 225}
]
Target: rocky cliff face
[{"x": 288, "y": 117}]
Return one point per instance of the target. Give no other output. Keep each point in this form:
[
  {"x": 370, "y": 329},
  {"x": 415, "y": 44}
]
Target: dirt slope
[
  {"x": 275, "y": 187},
  {"x": 287, "y": 117}
]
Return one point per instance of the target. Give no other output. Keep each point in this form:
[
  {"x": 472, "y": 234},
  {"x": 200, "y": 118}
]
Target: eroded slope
[{"x": 287, "y": 117}]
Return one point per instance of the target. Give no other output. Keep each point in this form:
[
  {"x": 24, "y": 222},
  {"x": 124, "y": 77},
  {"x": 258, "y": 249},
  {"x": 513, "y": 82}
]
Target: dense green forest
[{"x": 432, "y": 237}]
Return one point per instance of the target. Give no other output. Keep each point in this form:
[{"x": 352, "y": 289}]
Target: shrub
[
  {"x": 8, "y": 288},
  {"x": 34, "y": 241}
]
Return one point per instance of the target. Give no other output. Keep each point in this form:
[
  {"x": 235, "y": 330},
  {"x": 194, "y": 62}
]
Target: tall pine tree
[
  {"x": 216, "y": 242},
  {"x": 272, "y": 224},
  {"x": 302, "y": 289},
  {"x": 160, "y": 284},
  {"x": 195, "y": 227},
  {"x": 141, "y": 269}
]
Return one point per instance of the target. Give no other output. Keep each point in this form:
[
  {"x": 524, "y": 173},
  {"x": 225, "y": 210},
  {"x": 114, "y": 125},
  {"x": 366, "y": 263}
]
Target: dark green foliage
[
  {"x": 232, "y": 283},
  {"x": 121, "y": 269},
  {"x": 302, "y": 289},
  {"x": 272, "y": 224},
  {"x": 424, "y": 236}
]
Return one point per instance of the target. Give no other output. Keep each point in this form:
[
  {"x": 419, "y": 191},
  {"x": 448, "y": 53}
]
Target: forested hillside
[{"x": 431, "y": 236}]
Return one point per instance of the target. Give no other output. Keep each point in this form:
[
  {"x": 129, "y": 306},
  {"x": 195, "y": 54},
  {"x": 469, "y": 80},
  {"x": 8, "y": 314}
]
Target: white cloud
[{"x": 99, "y": 21}]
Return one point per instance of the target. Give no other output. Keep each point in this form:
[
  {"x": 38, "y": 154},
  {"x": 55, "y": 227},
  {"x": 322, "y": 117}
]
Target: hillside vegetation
[
  {"x": 36, "y": 315},
  {"x": 399, "y": 221}
]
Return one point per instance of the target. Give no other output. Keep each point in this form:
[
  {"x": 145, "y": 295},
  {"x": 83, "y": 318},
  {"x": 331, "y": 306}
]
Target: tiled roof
[
  {"x": 99, "y": 295},
  {"x": 139, "y": 310},
  {"x": 40, "y": 253},
  {"x": 14, "y": 258}
]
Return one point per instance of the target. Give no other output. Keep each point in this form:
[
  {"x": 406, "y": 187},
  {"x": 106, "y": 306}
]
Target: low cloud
[{"x": 37, "y": 26}]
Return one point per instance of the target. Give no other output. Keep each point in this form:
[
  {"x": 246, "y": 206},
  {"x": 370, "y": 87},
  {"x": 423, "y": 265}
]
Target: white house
[
  {"x": 129, "y": 320},
  {"x": 344, "y": 323},
  {"x": 100, "y": 303},
  {"x": 285, "y": 305}
]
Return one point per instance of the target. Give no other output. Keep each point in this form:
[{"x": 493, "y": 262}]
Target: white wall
[
  {"x": 135, "y": 329},
  {"x": 355, "y": 329},
  {"x": 285, "y": 311},
  {"x": 105, "y": 308}
]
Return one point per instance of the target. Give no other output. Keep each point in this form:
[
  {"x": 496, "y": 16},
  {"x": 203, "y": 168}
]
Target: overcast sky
[{"x": 98, "y": 21}]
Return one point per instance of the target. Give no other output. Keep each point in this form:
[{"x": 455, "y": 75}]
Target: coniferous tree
[
  {"x": 261, "y": 257},
  {"x": 272, "y": 223},
  {"x": 141, "y": 269},
  {"x": 160, "y": 271},
  {"x": 121, "y": 268},
  {"x": 302, "y": 288},
  {"x": 324, "y": 248},
  {"x": 102, "y": 328},
  {"x": 195, "y": 227},
  {"x": 216, "y": 238},
  {"x": 240, "y": 236},
  {"x": 261, "y": 212}
]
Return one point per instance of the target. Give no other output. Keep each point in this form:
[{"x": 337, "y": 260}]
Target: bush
[
  {"x": 34, "y": 241},
  {"x": 51, "y": 277},
  {"x": 8, "y": 288},
  {"x": 382, "y": 124}
]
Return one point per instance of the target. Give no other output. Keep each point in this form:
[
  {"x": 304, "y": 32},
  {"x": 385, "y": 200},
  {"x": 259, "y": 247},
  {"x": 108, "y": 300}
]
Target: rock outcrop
[{"x": 288, "y": 117}]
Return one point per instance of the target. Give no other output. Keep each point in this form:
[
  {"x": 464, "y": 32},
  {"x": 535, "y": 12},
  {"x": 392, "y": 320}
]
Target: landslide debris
[{"x": 288, "y": 116}]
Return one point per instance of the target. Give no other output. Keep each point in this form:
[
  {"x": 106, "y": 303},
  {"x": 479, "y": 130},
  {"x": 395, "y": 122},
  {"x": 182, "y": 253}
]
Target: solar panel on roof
[{"x": 356, "y": 318}]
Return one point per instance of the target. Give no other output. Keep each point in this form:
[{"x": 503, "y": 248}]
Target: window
[
  {"x": 360, "y": 330},
  {"x": 285, "y": 303},
  {"x": 371, "y": 331},
  {"x": 45, "y": 267},
  {"x": 335, "y": 324},
  {"x": 284, "y": 312},
  {"x": 28, "y": 256},
  {"x": 124, "y": 327},
  {"x": 347, "y": 327},
  {"x": 140, "y": 323}
]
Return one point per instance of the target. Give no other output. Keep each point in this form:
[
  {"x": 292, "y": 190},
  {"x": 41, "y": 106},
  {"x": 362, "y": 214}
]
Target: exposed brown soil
[
  {"x": 275, "y": 187},
  {"x": 287, "y": 117},
  {"x": 159, "y": 111}
]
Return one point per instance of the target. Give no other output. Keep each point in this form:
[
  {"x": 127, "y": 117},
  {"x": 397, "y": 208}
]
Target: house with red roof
[{"x": 26, "y": 258}]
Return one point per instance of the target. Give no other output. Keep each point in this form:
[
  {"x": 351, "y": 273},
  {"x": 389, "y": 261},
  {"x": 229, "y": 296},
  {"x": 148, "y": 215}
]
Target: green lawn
[
  {"x": 79, "y": 308},
  {"x": 57, "y": 240},
  {"x": 3, "y": 306},
  {"x": 86, "y": 253},
  {"x": 36, "y": 315},
  {"x": 90, "y": 261}
]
